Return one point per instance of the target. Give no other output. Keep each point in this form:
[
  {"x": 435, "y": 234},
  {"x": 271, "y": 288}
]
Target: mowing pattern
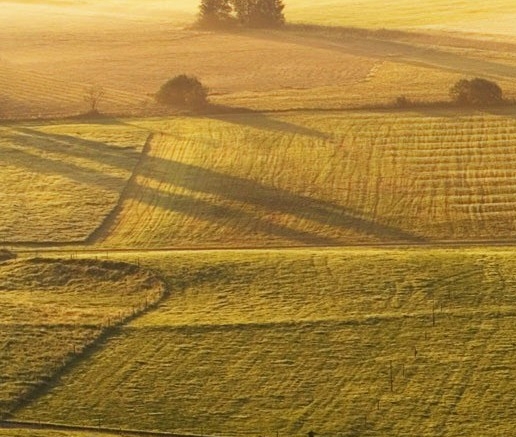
[
  {"x": 51, "y": 310},
  {"x": 343, "y": 342},
  {"x": 60, "y": 181},
  {"x": 34, "y": 94},
  {"x": 460, "y": 14},
  {"x": 322, "y": 179}
]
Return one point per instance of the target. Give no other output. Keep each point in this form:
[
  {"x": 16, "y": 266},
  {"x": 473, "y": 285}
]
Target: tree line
[{"x": 245, "y": 13}]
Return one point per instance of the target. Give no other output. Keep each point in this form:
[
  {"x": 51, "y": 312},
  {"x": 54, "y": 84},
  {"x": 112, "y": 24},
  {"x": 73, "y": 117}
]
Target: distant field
[
  {"x": 59, "y": 181},
  {"x": 288, "y": 341},
  {"x": 51, "y": 310},
  {"x": 321, "y": 179},
  {"x": 464, "y": 15},
  {"x": 51, "y": 53}
]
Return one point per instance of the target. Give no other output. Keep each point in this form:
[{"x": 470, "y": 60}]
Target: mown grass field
[
  {"x": 47, "y": 433},
  {"x": 459, "y": 15},
  {"x": 52, "y": 310},
  {"x": 288, "y": 341},
  {"x": 321, "y": 179},
  {"x": 44, "y": 73},
  {"x": 262, "y": 342},
  {"x": 59, "y": 181}
]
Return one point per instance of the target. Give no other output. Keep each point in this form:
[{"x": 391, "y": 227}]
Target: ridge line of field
[
  {"x": 102, "y": 230},
  {"x": 382, "y": 107},
  {"x": 41, "y": 248},
  {"x": 370, "y": 319},
  {"x": 107, "y": 331},
  {"x": 35, "y": 426}
]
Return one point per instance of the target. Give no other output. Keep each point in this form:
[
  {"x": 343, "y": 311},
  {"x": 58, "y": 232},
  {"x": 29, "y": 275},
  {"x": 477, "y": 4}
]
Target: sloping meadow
[
  {"x": 368, "y": 342},
  {"x": 59, "y": 181},
  {"x": 323, "y": 179},
  {"x": 52, "y": 311}
]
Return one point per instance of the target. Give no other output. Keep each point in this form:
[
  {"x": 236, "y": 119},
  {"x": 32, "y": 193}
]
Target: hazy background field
[{"x": 51, "y": 51}]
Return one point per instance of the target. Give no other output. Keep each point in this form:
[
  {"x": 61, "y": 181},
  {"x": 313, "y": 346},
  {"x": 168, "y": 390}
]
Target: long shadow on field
[
  {"x": 386, "y": 45},
  {"x": 22, "y": 158},
  {"x": 269, "y": 200},
  {"x": 260, "y": 120},
  {"x": 75, "y": 146}
]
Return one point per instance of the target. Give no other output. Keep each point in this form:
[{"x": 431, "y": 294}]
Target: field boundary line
[
  {"x": 15, "y": 424},
  {"x": 103, "y": 229},
  {"x": 106, "y": 333}
]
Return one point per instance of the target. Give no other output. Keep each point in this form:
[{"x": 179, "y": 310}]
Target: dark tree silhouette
[
  {"x": 259, "y": 13},
  {"x": 247, "y": 13},
  {"x": 476, "y": 92},
  {"x": 183, "y": 91},
  {"x": 215, "y": 13}
]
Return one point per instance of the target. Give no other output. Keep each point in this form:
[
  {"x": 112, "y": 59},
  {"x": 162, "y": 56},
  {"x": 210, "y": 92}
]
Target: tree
[
  {"x": 183, "y": 91},
  {"x": 476, "y": 92},
  {"x": 93, "y": 95},
  {"x": 259, "y": 13},
  {"x": 215, "y": 13}
]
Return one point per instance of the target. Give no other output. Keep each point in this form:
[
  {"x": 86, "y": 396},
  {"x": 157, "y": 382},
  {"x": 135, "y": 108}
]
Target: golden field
[
  {"x": 51, "y": 53},
  {"x": 277, "y": 263},
  {"x": 259, "y": 342},
  {"x": 53, "y": 310}
]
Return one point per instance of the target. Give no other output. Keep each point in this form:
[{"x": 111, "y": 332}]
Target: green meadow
[{"x": 344, "y": 341}]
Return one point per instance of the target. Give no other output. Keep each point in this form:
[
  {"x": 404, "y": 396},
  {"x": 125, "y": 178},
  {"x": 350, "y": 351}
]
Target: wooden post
[{"x": 391, "y": 377}]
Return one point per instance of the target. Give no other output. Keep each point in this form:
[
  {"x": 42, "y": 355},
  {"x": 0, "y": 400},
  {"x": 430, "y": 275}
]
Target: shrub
[
  {"x": 183, "y": 91},
  {"x": 476, "y": 92}
]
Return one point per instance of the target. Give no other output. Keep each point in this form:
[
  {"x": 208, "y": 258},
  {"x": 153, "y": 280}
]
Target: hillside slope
[
  {"x": 52, "y": 311},
  {"x": 343, "y": 342},
  {"x": 321, "y": 179}
]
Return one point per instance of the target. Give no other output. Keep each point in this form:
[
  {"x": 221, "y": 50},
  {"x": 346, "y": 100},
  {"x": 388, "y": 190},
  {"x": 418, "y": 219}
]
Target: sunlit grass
[
  {"x": 59, "y": 181},
  {"x": 287, "y": 341},
  {"x": 321, "y": 179},
  {"x": 400, "y": 14},
  {"x": 51, "y": 310}
]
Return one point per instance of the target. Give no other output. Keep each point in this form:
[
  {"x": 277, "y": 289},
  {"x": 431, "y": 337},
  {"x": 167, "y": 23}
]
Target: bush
[
  {"x": 183, "y": 91},
  {"x": 476, "y": 92}
]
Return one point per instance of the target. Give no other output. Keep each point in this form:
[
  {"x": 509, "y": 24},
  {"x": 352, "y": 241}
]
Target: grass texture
[
  {"x": 345, "y": 342},
  {"x": 59, "y": 181},
  {"x": 321, "y": 179},
  {"x": 51, "y": 311}
]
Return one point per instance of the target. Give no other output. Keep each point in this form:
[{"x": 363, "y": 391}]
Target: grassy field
[
  {"x": 47, "y": 433},
  {"x": 59, "y": 181},
  {"x": 287, "y": 341},
  {"x": 44, "y": 73},
  {"x": 264, "y": 341},
  {"x": 460, "y": 15},
  {"x": 51, "y": 310},
  {"x": 321, "y": 179}
]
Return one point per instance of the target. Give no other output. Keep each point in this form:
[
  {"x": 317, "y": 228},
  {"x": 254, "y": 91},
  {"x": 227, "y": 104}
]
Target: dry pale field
[{"x": 51, "y": 51}]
